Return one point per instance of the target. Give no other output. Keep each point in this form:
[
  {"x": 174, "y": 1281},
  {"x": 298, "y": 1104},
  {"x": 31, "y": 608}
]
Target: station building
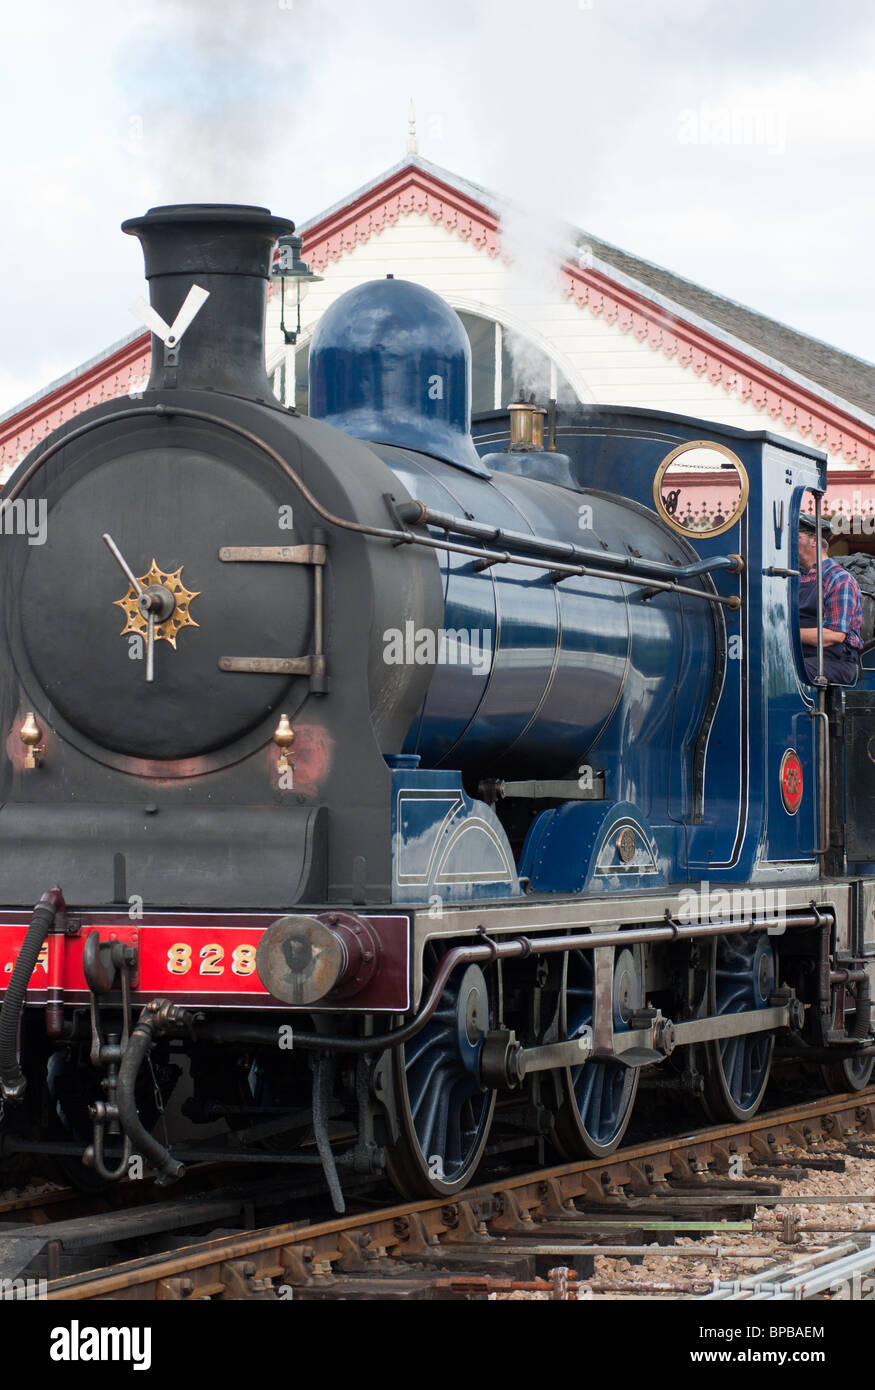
[{"x": 569, "y": 316}]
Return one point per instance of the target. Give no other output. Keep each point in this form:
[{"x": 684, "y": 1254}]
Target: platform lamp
[{"x": 287, "y": 265}]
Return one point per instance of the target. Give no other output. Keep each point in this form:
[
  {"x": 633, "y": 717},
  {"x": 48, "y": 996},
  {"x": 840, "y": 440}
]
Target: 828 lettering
[
  {"x": 211, "y": 959},
  {"x": 42, "y": 962}
]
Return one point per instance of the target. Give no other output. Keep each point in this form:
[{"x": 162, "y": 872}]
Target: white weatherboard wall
[{"x": 602, "y": 363}]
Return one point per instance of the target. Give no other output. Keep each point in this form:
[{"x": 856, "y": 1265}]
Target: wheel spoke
[
  {"x": 446, "y": 1016},
  {"x": 592, "y": 1117},
  {"x": 427, "y": 1121},
  {"x": 442, "y": 1112},
  {"x": 426, "y": 1085},
  {"x": 736, "y": 1076},
  {"x": 750, "y": 1053},
  {"x": 599, "y": 1095},
  {"x": 607, "y": 1105},
  {"x": 436, "y": 1143},
  {"x": 585, "y": 1083},
  {"x": 461, "y": 1125},
  {"x": 611, "y": 1105},
  {"x": 429, "y": 1038},
  {"x": 732, "y": 998},
  {"x": 737, "y": 1068}
]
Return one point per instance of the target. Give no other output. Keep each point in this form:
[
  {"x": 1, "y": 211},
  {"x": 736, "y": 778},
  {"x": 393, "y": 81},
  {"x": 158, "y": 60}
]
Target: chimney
[{"x": 226, "y": 249}]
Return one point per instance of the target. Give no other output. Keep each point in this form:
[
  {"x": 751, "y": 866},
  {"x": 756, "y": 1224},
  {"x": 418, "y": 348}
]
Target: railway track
[
  {"x": 38, "y": 1205},
  {"x": 43, "y": 1205},
  {"x": 537, "y": 1232}
]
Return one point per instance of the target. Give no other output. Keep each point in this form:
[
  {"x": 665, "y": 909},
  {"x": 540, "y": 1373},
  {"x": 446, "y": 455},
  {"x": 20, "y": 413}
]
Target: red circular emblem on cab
[{"x": 791, "y": 781}]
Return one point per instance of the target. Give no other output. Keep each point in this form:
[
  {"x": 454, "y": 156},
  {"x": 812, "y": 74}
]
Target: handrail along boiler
[{"x": 371, "y": 771}]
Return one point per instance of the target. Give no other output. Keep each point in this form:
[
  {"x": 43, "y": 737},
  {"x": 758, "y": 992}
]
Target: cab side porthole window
[{"x": 701, "y": 488}]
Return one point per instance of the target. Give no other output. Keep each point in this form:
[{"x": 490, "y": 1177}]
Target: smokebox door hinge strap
[{"x": 314, "y": 664}]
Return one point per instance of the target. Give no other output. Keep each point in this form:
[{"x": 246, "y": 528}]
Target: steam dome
[{"x": 390, "y": 362}]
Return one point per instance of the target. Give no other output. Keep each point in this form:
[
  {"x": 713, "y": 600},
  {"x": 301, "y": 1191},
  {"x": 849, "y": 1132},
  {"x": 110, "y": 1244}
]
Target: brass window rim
[{"x": 663, "y": 468}]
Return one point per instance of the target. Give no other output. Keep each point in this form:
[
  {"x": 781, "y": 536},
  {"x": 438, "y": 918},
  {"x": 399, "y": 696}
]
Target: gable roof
[
  {"x": 850, "y": 378},
  {"x": 826, "y": 395}
]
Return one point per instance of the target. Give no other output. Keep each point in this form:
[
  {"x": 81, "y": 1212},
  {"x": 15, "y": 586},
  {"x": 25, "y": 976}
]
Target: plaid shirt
[{"x": 842, "y": 610}]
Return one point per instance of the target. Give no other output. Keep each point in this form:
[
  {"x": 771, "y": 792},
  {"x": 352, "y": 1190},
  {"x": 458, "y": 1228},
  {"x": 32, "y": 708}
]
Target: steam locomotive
[{"x": 373, "y": 776}]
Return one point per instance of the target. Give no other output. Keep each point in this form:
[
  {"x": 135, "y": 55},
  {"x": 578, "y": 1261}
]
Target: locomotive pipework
[
  {"x": 12, "y": 1079},
  {"x": 546, "y": 555}
]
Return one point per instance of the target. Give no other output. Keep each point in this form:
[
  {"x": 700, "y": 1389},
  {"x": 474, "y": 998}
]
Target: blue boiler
[{"x": 532, "y": 671}]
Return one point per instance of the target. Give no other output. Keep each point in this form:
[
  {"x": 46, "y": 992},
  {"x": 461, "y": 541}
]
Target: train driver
[{"x": 842, "y": 609}]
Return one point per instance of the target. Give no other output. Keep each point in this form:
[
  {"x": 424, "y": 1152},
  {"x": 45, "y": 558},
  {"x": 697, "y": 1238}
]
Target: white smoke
[
  {"x": 218, "y": 94},
  {"x": 537, "y": 243}
]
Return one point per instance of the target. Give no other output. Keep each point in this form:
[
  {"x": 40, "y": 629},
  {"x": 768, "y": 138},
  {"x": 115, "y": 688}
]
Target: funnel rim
[{"x": 180, "y": 214}]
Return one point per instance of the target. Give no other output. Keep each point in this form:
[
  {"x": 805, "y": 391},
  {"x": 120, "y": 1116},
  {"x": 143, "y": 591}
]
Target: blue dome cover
[{"x": 390, "y": 362}]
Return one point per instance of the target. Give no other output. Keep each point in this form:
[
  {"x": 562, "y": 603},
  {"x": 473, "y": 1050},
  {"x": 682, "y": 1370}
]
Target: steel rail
[
  {"x": 814, "y": 1275},
  {"x": 36, "y": 1201},
  {"x": 254, "y": 1258}
]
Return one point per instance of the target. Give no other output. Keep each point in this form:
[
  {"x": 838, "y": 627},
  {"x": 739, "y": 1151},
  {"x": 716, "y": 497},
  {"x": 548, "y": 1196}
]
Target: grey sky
[{"x": 730, "y": 143}]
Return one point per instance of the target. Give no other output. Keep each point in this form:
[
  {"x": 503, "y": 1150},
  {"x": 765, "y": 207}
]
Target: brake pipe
[
  {"x": 13, "y": 1082},
  {"x": 516, "y": 948}
]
